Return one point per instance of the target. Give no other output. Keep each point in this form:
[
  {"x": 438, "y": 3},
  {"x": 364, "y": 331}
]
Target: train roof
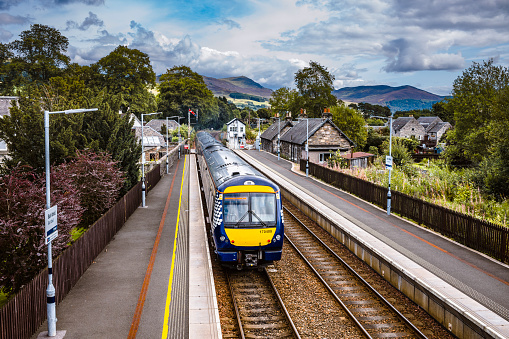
[{"x": 222, "y": 162}]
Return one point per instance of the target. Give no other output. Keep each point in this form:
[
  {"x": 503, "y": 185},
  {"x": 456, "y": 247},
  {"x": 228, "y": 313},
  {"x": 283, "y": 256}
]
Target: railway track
[
  {"x": 371, "y": 312},
  {"x": 259, "y": 309}
]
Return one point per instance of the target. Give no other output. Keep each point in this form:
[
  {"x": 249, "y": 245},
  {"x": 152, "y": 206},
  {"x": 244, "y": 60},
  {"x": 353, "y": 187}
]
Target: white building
[{"x": 236, "y": 134}]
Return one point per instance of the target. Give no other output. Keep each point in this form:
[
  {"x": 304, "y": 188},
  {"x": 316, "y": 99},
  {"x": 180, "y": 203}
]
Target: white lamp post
[
  {"x": 388, "y": 160},
  {"x": 178, "y": 117},
  {"x": 390, "y": 167},
  {"x": 143, "y": 161},
  {"x": 278, "y": 136},
  {"x": 307, "y": 147},
  {"x": 50, "y": 292}
]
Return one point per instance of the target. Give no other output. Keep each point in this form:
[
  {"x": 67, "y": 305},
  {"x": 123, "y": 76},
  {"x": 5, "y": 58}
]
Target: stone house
[
  {"x": 153, "y": 141},
  {"x": 269, "y": 136},
  {"x": 435, "y": 129},
  {"x": 408, "y": 127},
  {"x": 323, "y": 138},
  {"x": 157, "y": 125},
  {"x": 236, "y": 134}
]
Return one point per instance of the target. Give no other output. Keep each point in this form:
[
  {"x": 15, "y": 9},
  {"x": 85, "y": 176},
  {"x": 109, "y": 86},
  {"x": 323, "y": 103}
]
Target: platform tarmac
[
  {"x": 480, "y": 277},
  {"x": 139, "y": 286}
]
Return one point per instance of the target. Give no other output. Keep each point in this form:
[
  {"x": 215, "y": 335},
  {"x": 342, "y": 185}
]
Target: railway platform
[
  {"x": 154, "y": 279},
  {"x": 450, "y": 281}
]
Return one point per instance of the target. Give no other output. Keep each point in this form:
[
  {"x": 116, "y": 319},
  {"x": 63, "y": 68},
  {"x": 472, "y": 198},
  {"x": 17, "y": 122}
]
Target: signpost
[
  {"x": 50, "y": 217},
  {"x": 388, "y": 162}
]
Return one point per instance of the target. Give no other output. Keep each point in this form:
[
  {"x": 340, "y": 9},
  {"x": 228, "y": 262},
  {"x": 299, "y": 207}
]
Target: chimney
[
  {"x": 326, "y": 114},
  {"x": 303, "y": 114},
  {"x": 288, "y": 116}
]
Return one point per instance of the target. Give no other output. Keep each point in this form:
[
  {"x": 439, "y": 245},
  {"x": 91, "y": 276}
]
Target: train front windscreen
[{"x": 245, "y": 210}]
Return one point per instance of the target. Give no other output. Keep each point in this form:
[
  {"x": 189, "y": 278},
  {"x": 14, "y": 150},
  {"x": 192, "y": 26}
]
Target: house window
[
  {"x": 242, "y": 129},
  {"x": 324, "y": 157}
]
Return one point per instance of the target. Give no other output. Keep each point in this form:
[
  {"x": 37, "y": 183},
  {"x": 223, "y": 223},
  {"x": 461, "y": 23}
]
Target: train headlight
[
  {"x": 222, "y": 238},
  {"x": 278, "y": 237}
]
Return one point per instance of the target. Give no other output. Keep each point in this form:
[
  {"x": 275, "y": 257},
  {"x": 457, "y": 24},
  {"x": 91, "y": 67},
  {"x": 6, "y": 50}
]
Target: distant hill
[
  {"x": 238, "y": 88},
  {"x": 403, "y": 98}
]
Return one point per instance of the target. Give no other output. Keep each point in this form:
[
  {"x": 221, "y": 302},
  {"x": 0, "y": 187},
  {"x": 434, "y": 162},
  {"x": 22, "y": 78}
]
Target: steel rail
[{"x": 373, "y": 290}]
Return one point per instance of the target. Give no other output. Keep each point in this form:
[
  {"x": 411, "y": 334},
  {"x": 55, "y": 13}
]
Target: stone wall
[
  {"x": 328, "y": 135},
  {"x": 412, "y": 128}
]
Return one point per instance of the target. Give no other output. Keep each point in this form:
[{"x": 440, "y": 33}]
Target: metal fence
[
  {"x": 26, "y": 311},
  {"x": 477, "y": 234}
]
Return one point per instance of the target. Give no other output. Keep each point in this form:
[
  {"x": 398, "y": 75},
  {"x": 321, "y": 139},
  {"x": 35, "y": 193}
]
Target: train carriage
[{"x": 244, "y": 207}]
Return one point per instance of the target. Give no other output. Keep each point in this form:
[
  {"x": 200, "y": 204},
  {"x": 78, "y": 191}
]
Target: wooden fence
[
  {"x": 26, "y": 311},
  {"x": 477, "y": 234}
]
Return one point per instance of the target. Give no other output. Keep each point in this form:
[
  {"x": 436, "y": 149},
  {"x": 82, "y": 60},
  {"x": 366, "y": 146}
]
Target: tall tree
[
  {"x": 475, "y": 93},
  {"x": 315, "y": 85},
  {"x": 103, "y": 130},
  {"x": 182, "y": 89},
  {"x": 128, "y": 72},
  {"x": 285, "y": 99},
  {"x": 41, "y": 52}
]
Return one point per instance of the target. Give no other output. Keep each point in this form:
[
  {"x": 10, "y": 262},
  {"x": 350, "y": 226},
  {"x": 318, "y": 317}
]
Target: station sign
[
  {"x": 388, "y": 162},
  {"x": 50, "y": 222}
]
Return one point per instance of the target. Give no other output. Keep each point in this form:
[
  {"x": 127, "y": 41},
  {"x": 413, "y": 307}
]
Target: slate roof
[
  {"x": 400, "y": 122},
  {"x": 438, "y": 127},
  {"x": 149, "y": 132},
  {"x": 271, "y": 132},
  {"x": 229, "y": 123},
  {"x": 297, "y": 134},
  {"x": 428, "y": 120},
  {"x": 158, "y": 123}
]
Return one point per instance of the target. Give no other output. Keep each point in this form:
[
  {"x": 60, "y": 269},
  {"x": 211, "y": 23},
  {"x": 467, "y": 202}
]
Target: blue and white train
[{"x": 244, "y": 207}]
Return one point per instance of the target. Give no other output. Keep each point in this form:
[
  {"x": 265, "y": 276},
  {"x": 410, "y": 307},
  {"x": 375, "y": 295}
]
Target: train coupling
[{"x": 251, "y": 260}]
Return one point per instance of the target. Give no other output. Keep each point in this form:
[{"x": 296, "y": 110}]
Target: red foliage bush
[
  {"x": 23, "y": 252},
  {"x": 98, "y": 179}
]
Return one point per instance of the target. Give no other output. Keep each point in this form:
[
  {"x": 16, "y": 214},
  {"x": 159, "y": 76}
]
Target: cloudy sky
[{"x": 426, "y": 44}]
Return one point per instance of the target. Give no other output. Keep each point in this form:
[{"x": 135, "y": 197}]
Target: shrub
[
  {"x": 22, "y": 204},
  {"x": 98, "y": 179}
]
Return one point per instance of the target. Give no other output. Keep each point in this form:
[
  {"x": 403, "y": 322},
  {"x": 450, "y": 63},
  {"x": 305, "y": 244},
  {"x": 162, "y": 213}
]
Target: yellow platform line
[{"x": 170, "y": 280}]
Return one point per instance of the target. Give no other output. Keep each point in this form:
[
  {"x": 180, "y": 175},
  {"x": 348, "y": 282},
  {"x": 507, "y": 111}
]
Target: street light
[
  {"x": 388, "y": 161},
  {"x": 143, "y": 161},
  {"x": 307, "y": 147},
  {"x": 50, "y": 292},
  {"x": 278, "y": 136},
  {"x": 178, "y": 117}
]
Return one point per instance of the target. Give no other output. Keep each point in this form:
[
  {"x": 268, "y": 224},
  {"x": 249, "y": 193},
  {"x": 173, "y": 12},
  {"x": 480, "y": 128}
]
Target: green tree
[
  {"x": 369, "y": 110},
  {"x": 263, "y": 113},
  {"x": 350, "y": 122},
  {"x": 40, "y": 52},
  {"x": 103, "y": 130},
  {"x": 128, "y": 72},
  {"x": 473, "y": 102},
  {"x": 182, "y": 89},
  {"x": 315, "y": 85},
  {"x": 285, "y": 99},
  {"x": 375, "y": 139}
]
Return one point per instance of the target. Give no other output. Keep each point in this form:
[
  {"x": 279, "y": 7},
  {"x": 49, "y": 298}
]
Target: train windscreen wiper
[
  {"x": 240, "y": 220},
  {"x": 257, "y": 217}
]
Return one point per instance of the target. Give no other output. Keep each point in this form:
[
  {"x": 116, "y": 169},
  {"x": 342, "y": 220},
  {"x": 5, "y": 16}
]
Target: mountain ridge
[
  {"x": 240, "y": 84},
  {"x": 401, "y": 98}
]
